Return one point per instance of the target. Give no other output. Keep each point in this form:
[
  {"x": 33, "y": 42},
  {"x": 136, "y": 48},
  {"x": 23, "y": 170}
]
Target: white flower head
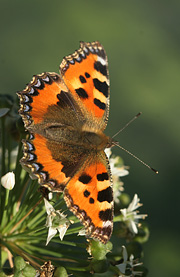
[
  {"x": 56, "y": 222},
  {"x": 130, "y": 215},
  {"x": 131, "y": 263},
  {"x": 8, "y": 180},
  {"x": 117, "y": 170}
]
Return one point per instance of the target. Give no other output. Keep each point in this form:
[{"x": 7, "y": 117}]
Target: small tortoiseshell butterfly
[{"x": 66, "y": 115}]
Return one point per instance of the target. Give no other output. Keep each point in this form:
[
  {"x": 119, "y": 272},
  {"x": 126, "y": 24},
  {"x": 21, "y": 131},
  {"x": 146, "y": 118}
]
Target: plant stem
[
  {"x": 4, "y": 212},
  {"x": 3, "y": 146}
]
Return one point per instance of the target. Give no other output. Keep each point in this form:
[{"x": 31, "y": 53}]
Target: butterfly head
[{"x": 111, "y": 142}]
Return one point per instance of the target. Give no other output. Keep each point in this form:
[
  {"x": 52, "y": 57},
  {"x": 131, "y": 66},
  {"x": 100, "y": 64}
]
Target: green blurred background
[{"x": 142, "y": 41}]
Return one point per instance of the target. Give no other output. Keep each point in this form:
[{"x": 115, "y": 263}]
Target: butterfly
[{"x": 66, "y": 115}]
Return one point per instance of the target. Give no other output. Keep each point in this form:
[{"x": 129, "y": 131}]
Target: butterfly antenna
[
  {"x": 127, "y": 124},
  {"x": 156, "y": 171}
]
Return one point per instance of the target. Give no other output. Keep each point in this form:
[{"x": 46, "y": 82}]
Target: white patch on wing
[
  {"x": 101, "y": 60},
  {"x": 107, "y": 223}
]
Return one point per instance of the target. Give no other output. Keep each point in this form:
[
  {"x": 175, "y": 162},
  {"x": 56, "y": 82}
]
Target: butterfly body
[{"x": 66, "y": 116}]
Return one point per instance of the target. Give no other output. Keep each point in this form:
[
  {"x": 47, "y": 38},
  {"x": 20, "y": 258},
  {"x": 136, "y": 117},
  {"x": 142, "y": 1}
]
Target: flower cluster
[
  {"x": 56, "y": 222},
  {"x": 129, "y": 265},
  {"x": 117, "y": 170},
  {"x": 131, "y": 216}
]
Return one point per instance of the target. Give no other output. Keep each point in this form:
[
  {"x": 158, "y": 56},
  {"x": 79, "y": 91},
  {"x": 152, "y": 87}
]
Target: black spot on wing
[
  {"x": 82, "y": 79},
  {"x": 106, "y": 215},
  {"x": 99, "y": 104},
  {"x": 101, "y": 68},
  {"x": 102, "y": 176},
  {"x": 101, "y": 86},
  {"x": 105, "y": 195},
  {"x": 82, "y": 93},
  {"x": 91, "y": 200},
  {"x": 86, "y": 193},
  {"x": 85, "y": 179},
  {"x": 87, "y": 75}
]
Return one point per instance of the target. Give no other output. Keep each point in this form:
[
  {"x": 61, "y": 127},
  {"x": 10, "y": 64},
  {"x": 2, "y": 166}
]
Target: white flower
[
  {"x": 122, "y": 266},
  {"x": 131, "y": 216},
  {"x": 8, "y": 180},
  {"x": 131, "y": 263},
  {"x": 117, "y": 170},
  {"x": 56, "y": 222}
]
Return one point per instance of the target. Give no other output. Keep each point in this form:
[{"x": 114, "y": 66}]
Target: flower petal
[
  {"x": 48, "y": 206},
  {"x": 125, "y": 255},
  {"x": 133, "y": 227},
  {"x": 51, "y": 233},
  {"x": 124, "y": 212},
  {"x": 134, "y": 204},
  {"x": 62, "y": 230}
]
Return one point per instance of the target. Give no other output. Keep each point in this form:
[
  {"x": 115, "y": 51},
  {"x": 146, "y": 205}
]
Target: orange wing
[
  {"x": 85, "y": 73},
  {"x": 50, "y": 161},
  {"x": 46, "y": 100},
  {"x": 89, "y": 196}
]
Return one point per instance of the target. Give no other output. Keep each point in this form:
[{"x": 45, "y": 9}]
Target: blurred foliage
[{"x": 142, "y": 40}]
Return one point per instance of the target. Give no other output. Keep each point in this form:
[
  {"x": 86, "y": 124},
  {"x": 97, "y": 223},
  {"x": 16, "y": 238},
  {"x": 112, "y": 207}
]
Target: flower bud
[
  {"x": 8, "y": 180},
  {"x": 99, "y": 250},
  {"x": 19, "y": 263},
  {"x": 28, "y": 271},
  {"x": 60, "y": 271}
]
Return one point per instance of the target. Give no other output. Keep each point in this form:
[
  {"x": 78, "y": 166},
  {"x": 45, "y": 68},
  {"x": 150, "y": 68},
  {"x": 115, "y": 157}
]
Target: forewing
[
  {"x": 85, "y": 73},
  {"x": 46, "y": 101}
]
